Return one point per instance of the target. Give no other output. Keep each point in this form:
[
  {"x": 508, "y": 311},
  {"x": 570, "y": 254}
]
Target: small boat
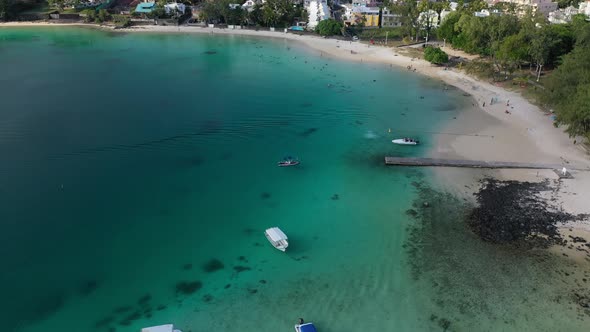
[
  {"x": 405, "y": 141},
  {"x": 288, "y": 161},
  {"x": 161, "y": 328},
  {"x": 305, "y": 327},
  {"x": 277, "y": 238}
]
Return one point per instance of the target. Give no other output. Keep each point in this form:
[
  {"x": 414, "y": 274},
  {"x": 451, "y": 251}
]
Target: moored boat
[
  {"x": 161, "y": 328},
  {"x": 277, "y": 238},
  {"x": 288, "y": 161},
  {"x": 305, "y": 327},
  {"x": 405, "y": 141}
]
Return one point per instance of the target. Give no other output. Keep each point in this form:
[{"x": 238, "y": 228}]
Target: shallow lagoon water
[{"x": 139, "y": 173}]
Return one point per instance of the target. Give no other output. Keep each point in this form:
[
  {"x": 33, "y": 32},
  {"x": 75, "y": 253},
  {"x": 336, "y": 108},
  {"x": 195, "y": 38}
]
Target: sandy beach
[{"x": 525, "y": 134}]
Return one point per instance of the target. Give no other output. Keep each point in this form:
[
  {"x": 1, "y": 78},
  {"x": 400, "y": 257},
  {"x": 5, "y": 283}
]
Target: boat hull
[
  {"x": 403, "y": 142},
  {"x": 281, "y": 164}
]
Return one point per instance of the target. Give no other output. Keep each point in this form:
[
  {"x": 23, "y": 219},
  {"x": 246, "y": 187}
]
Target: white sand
[{"x": 525, "y": 135}]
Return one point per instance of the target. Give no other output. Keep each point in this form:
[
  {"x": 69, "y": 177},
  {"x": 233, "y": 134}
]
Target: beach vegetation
[
  {"x": 409, "y": 14},
  {"x": 102, "y": 16},
  {"x": 435, "y": 55},
  {"x": 57, "y": 4},
  {"x": 6, "y": 9},
  {"x": 122, "y": 21},
  {"x": 329, "y": 27},
  {"x": 279, "y": 13},
  {"x": 391, "y": 33},
  {"x": 568, "y": 88},
  {"x": 221, "y": 11}
]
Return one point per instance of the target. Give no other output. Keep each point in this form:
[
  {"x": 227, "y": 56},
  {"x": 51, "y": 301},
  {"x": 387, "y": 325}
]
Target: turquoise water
[{"x": 130, "y": 161}]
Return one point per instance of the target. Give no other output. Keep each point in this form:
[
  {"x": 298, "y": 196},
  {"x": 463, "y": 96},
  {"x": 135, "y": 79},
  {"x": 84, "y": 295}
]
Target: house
[
  {"x": 584, "y": 8},
  {"x": 145, "y": 7},
  {"x": 428, "y": 18},
  {"x": 317, "y": 10},
  {"x": 541, "y": 6},
  {"x": 249, "y": 4},
  {"x": 562, "y": 16},
  {"x": 174, "y": 8},
  {"x": 487, "y": 12},
  {"x": 358, "y": 14},
  {"x": 389, "y": 19}
]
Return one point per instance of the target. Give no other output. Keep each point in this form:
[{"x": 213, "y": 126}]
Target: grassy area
[
  {"x": 390, "y": 33},
  {"x": 411, "y": 52}
]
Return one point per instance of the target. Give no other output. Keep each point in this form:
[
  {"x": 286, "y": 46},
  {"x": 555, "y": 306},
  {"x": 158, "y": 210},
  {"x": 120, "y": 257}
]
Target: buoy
[{"x": 389, "y": 129}]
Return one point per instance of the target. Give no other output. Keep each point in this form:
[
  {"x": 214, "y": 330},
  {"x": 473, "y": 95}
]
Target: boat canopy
[
  {"x": 276, "y": 234},
  {"x": 307, "y": 327},
  {"x": 159, "y": 328}
]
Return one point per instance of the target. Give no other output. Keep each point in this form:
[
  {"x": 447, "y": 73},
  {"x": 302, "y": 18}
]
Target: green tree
[
  {"x": 6, "y": 9},
  {"x": 446, "y": 30},
  {"x": 329, "y": 27},
  {"x": 57, "y": 4},
  {"x": 409, "y": 14},
  {"x": 255, "y": 15},
  {"x": 567, "y": 3},
  {"x": 435, "y": 55},
  {"x": 278, "y": 13},
  {"x": 568, "y": 89},
  {"x": 122, "y": 21},
  {"x": 476, "y": 6},
  {"x": 102, "y": 16},
  {"x": 428, "y": 15},
  {"x": 511, "y": 53},
  {"x": 89, "y": 15}
]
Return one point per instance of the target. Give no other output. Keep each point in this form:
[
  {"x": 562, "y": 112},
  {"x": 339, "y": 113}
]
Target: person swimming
[{"x": 301, "y": 321}]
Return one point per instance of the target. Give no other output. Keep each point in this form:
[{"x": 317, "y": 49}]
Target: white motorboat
[
  {"x": 277, "y": 238},
  {"x": 405, "y": 141},
  {"x": 305, "y": 327},
  {"x": 161, "y": 328}
]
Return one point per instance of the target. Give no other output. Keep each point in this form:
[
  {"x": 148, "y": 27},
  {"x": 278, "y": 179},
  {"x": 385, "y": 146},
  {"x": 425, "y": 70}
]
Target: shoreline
[{"x": 524, "y": 135}]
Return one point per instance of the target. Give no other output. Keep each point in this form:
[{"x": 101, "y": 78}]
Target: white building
[
  {"x": 584, "y": 8},
  {"x": 428, "y": 18},
  {"x": 541, "y": 6},
  {"x": 389, "y": 19},
  {"x": 487, "y": 12},
  {"x": 317, "y": 10},
  {"x": 562, "y": 16},
  {"x": 249, "y": 4},
  {"x": 174, "y": 8}
]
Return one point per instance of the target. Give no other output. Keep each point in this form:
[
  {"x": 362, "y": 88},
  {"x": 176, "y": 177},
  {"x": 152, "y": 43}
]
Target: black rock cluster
[{"x": 514, "y": 212}]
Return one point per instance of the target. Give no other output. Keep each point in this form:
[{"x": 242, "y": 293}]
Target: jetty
[{"x": 403, "y": 161}]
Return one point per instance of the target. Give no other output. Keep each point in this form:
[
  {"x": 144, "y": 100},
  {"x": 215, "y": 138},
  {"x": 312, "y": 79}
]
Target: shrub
[
  {"x": 435, "y": 55},
  {"x": 329, "y": 27}
]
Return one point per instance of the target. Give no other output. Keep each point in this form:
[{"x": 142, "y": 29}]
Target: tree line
[
  {"x": 568, "y": 87},
  {"x": 273, "y": 13}
]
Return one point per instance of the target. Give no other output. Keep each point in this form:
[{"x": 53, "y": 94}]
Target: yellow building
[
  {"x": 371, "y": 18},
  {"x": 367, "y": 15}
]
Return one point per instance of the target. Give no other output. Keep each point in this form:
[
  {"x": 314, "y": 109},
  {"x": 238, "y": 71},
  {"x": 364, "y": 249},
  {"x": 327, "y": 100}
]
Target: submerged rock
[
  {"x": 213, "y": 265},
  {"x": 239, "y": 268},
  {"x": 188, "y": 287},
  {"x": 88, "y": 287},
  {"x": 144, "y": 299}
]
